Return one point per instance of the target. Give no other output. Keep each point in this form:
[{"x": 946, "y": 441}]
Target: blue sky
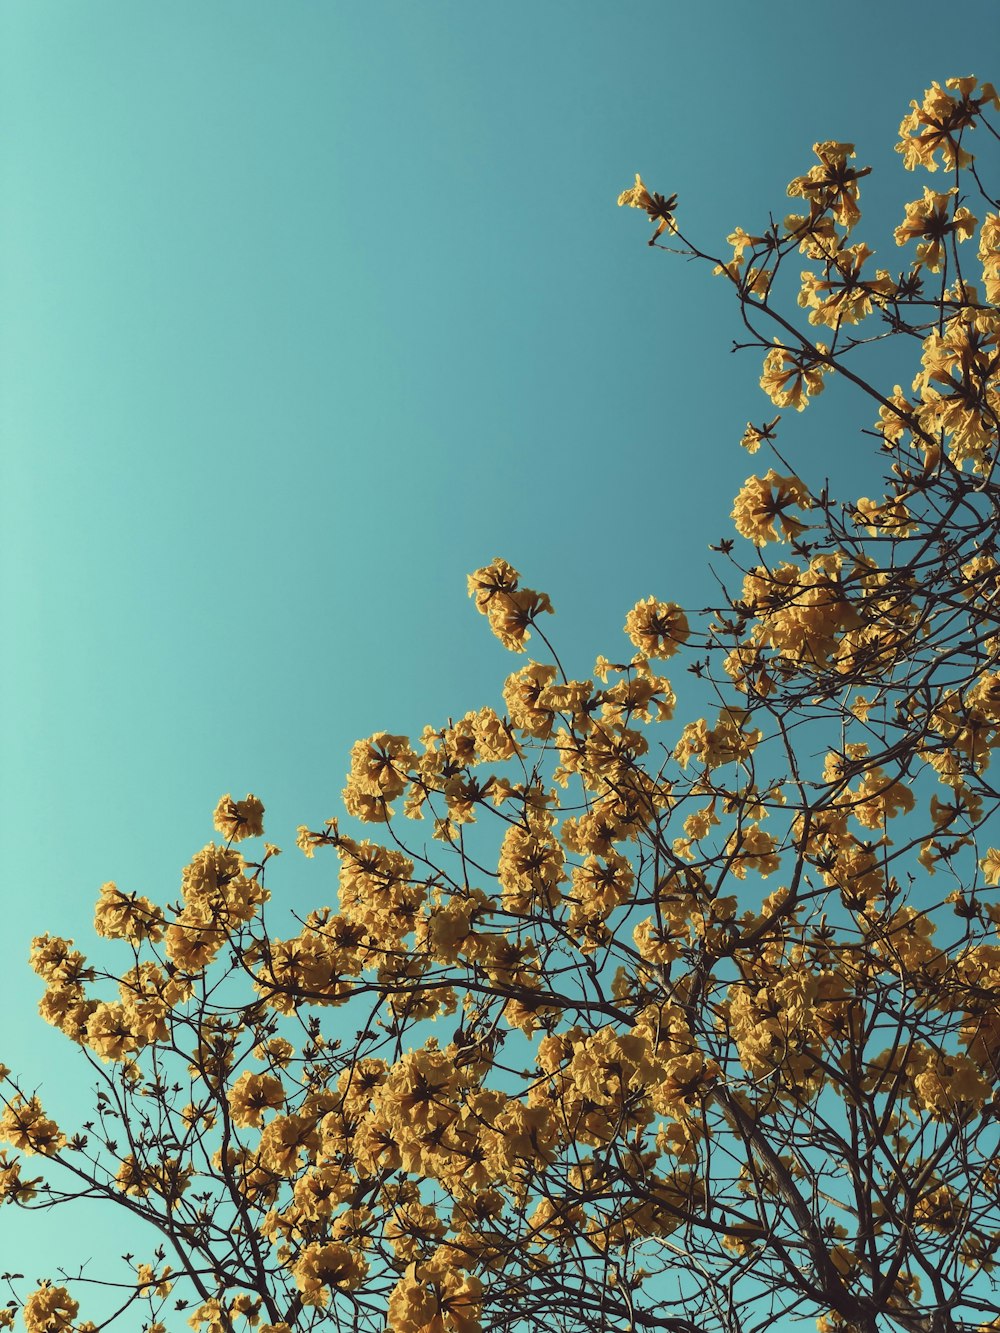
[{"x": 310, "y": 309}]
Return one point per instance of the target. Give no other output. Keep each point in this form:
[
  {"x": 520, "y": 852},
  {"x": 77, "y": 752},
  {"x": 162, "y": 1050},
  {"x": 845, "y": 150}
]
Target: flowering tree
[{"x": 682, "y": 1027}]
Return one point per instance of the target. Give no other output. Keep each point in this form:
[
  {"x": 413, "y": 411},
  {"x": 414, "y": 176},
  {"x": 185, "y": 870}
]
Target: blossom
[
  {"x": 12, "y": 1188},
  {"x": 49, "y": 1310},
  {"x": 841, "y": 295},
  {"x": 522, "y": 694},
  {"x": 660, "y": 209},
  {"x": 891, "y": 517},
  {"x": 25, "y": 1126},
  {"x": 939, "y": 122},
  {"x": 283, "y": 1142},
  {"x": 432, "y": 1298},
  {"x": 237, "y": 820},
  {"x": 657, "y": 628},
  {"x": 816, "y": 233},
  {"x": 932, "y": 219},
  {"x": 509, "y": 608},
  {"x": 726, "y": 743},
  {"x": 511, "y": 614},
  {"x": 215, "y": 890},
  {"x": 57, "y": 963},
  {"x": 320, "y": 1267},
  {"x": 989, "y": 256},
  {"x": 253, "y": 1094},
  {"x": 209, "y": 1316},
  {"x": 759, "y": 510},
  {"x": 754, "y": 436},
  {"x": 990, "y": 865},
  {"x": 214, "y": 1316},
  {"x": 497, "y": 577},
  {"x": 109, "y": 1032},
  {"x": 946, "y": 1085},
  {"x": 752, "y": 848},
  {"x": 380, "y": 764},
  {"x": 127, "y": 916},
  {"x": 833, "y": 184},
  {"x": 790, "y": 377}
]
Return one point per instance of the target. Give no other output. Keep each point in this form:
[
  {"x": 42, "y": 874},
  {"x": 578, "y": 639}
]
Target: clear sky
[{"x": 311, "y": 308}]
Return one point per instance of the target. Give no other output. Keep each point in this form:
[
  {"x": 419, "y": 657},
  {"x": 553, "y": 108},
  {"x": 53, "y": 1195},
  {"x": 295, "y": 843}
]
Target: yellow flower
[
  {"x": 989, "y": 255},
  {"x": 657, "y": 628},
  {"x": 496, "y": 577},
  {"x": 509, "y": 609},
  {"x": 127, "y": 916},
  {"x": 211, "y": 1317},
  {"x": 12, "y": 1188},
  {"x": 816, "y": 234},
  {"x": 990, "y": 865},
  {"x": 789, "y": 377},
  {"x": 833, "y": 185},
  {"x": 522, "y": 694},
  {"x": 380, "y": 764},
  {"x": 253, "y": 1094},
  {"x": 192, "y": 943},
  {"x": 660, "y": 209},
  {"x": 939, "y": 122},
  {"x": 946, "y": 1086},
  {"x": 215, "y": 890},
  {"x": 284, "y": 1140},
  {"x": 109, "y": 1032},
  {"x": 49, "y": 1310},
  {"x": 148, "y": 1282},
  {"x": 754, "y": 436},
  {"x": 841, "y": 295},
  {"x": 432, "y": 1298},
  {"x": 237, "y": 820},
  {"x": 931, "y": 218},
  {"x": 58, "y": 964},
  {"x": 759, "y": 509},
  {"x": 892, "y": 517},
  {"x": 25, "y": 1126},
  {"x": 511, "y": 614},
  {"x": 320, "y": 1267},
  {"x": 751, "y": 848}
]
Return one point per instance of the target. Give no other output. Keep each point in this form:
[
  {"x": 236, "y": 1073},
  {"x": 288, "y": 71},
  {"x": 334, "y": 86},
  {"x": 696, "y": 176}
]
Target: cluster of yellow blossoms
[{"x": 646, "y": 998}]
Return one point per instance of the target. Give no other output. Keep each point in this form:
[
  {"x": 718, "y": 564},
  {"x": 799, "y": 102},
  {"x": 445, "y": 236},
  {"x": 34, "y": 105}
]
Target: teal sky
[{"x": 308, "y": 310}]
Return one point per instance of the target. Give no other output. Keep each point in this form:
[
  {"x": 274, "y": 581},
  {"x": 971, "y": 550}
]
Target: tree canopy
[{"x": 622, "y": 1020}]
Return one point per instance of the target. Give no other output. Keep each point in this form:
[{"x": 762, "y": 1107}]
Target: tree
[{"x": 675, "y": 1095}]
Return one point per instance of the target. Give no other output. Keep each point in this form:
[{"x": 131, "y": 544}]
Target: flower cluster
[{"x": 598, "y": 997}]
